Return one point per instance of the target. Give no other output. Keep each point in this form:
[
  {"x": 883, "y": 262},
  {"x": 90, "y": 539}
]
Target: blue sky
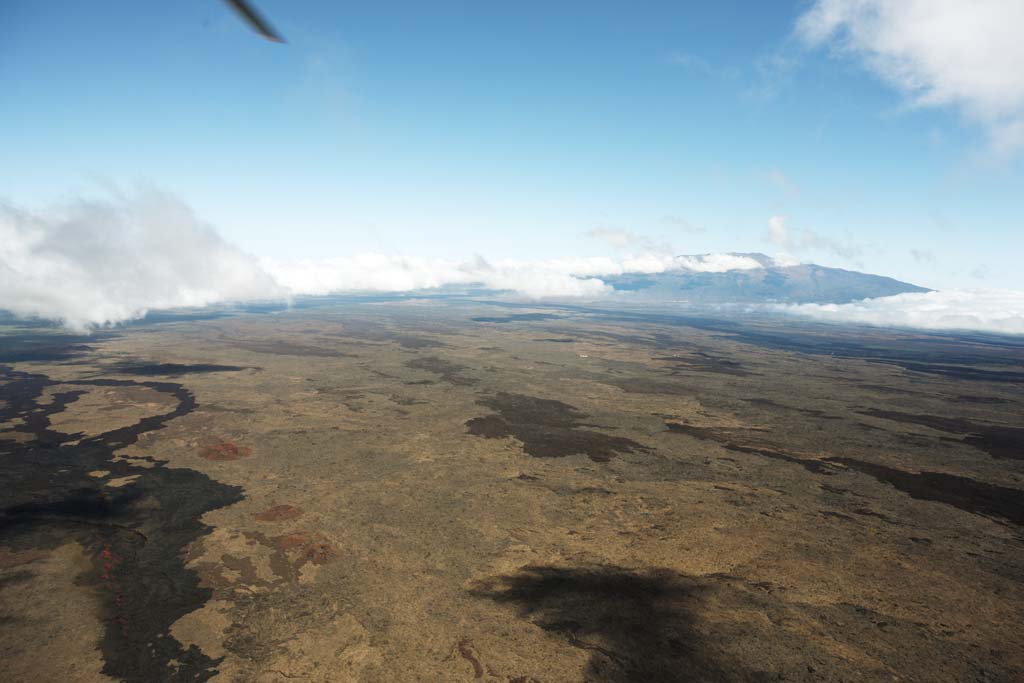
[{"x": 505, "y": 129}]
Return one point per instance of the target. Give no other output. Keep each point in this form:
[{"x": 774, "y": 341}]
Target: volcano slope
[{"x": 465, "y": 491}]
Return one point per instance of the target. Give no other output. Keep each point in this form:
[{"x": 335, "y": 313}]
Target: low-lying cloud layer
[
  {"x": 99, "y": 262},
  {"x": 382, "y": 273},
  {"x": 568, "y": 277},
  {"x": 95, "y": 263},
  {"x": 1000, "y": 311}
]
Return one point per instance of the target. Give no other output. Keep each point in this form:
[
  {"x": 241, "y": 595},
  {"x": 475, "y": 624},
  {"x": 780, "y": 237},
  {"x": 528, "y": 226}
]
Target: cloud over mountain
[
  {"x": 97, "y": 262},
  {"x": 781, "y": 236},
  {"x": 1000, "y": 311}
]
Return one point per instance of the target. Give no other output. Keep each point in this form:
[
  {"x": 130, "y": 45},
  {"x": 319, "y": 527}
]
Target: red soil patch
[
  {"x": 279, "y": 513},
  {"x": 294, "y": 539},
  {"x": 224, "y": 450},
  {"x": 312, "y": 547},
  {"x": 318, "y": 552}
]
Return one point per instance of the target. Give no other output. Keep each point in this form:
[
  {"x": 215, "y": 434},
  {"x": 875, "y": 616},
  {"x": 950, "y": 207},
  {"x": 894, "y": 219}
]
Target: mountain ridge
[{"x": 768, "y": 282}]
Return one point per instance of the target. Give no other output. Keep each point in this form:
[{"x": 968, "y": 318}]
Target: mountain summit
[{"x": 755, "y": 278}]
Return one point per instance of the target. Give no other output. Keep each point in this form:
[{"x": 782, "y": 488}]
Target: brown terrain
[{"x": 435, "y": 490}]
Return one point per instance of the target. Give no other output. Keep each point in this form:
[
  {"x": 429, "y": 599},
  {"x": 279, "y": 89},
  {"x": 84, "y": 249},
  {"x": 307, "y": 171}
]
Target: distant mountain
[{"x": 759, "y": 279}]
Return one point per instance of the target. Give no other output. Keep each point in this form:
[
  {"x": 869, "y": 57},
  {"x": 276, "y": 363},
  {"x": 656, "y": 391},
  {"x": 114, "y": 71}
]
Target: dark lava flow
[
  {"x": 701, "y": 361},
  {"x": 966, "y": 494},
  {"x": 169, "y": 369},
  {"x": 996, "y": 440},
  {"x": 547, "y": 429},
  {"x": 516, "y": 317},
  {"x": 137, "y": 533},
  {"x": 42, "y": 346},
  {"x": 446, "y": 370}
]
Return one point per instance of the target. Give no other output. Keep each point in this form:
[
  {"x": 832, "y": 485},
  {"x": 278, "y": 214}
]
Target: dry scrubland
[{"x": 430, "y": 491}]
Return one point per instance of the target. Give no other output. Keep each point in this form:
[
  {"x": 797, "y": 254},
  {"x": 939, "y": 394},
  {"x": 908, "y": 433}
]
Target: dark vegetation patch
[
  {"x": 32, "y": 346},
  {"x": 711, "y": 434},
  {"x": 641, "y": 385},
  {"x": 408, "y": 341},
  {"x": 446, "y": 370},
  {"x": 187, "y": 316},
  {"x": 557, "y": 340},
  {"x": 654, "y": 339},
  {"x": 285, "y": 348},
  {"x": 547, "y": 429},
  {"x": 835, "y": 515},
  {"x": 700, "y": 361},
  {"x": 407, "y": 400},
  {"x": 811, "y": 412},
  {"x": 366, "y": 330},
  {"x": 982, "y": 399},
  {"x": 169, "y": 369},
  {"x": 966, "y": 494},
  {"x": 516, "y": 317},
  {"x": 868, "y": 512},
  {"x": 997, "y": 440},
  {"x": 137, "y": 534},
  {"x": 489, "y": 427},
  {"x": 958, "y": 371},
  {"x": 702, "y": 433},
  {"x": 350, "y": 398},
  {"x": 970, "y": 495},
  {"x": 886, "y": 389}
]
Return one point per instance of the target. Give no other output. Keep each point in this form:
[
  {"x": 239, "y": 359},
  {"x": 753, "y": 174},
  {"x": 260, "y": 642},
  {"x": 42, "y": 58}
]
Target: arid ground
[{"x": 427, "y": 490}]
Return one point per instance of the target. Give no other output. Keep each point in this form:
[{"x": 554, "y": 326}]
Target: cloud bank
[
  {"x": 1000, "y": 311},
  {"x": 95, "y": 263},
  {"x": 960, "y": 53},
  {"x": 99, "y": 262},
  {"x": 383, "y": 273},
  {"x": 566, "y": 277}
]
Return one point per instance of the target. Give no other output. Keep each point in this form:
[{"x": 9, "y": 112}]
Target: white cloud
[
  {"x": 94, "y": 263},
  {"x": 961, "y": 53},
  {"x": 98, "y": 262},
  {"x": 780, "y": 235},
  {"x": 682, "y": 224},
  {"x": 627, "y": 239},
  {"x": 382, "y": 273},
  {"x": 715, "y": 263},
  {"x": 564, "y": 277},
  {"x": 1000, "y": 311}
]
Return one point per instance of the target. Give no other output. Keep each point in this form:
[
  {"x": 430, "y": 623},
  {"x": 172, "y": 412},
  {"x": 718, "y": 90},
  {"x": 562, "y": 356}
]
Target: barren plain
[{"x": 456, "y": 490}]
